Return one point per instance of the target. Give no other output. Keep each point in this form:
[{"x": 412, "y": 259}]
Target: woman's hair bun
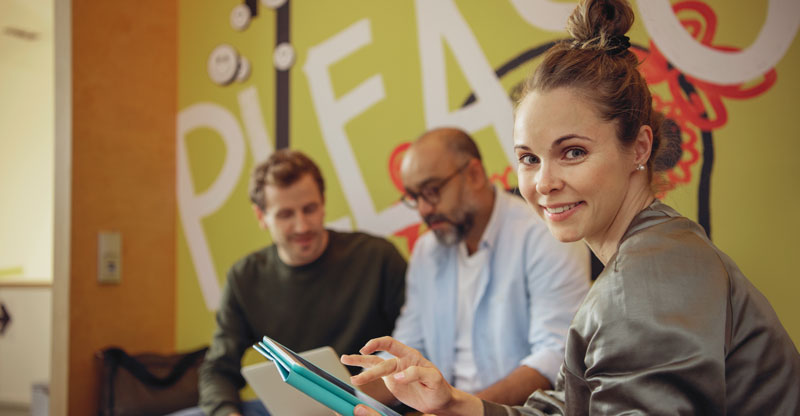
[{"x": 599, "y": 24}]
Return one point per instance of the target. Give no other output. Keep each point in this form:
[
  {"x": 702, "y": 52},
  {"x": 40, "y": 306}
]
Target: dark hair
[
  {"x": 283, "y": 168},
  {"x": 597, "y": 64}
]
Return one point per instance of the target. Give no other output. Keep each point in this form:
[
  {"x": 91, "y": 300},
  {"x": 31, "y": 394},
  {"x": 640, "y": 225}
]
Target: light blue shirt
[{"x": 526, "y": 296}]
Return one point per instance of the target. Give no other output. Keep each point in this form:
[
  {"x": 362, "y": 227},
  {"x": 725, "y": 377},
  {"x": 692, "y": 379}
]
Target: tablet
[
  {"x": 315, "y": 382},
  {"x": 280, "y": 398}
]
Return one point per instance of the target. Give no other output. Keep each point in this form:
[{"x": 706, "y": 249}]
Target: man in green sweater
[{"x": 312, "y": 287}]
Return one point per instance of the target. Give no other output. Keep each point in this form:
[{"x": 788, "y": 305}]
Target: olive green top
[{"x": 671, "y": 327}]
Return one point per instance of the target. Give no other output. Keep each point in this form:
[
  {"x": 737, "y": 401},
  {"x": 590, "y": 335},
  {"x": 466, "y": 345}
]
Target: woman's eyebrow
[
  {"x": 566, "y": 137},
  {"x": 557, "y": 142}
]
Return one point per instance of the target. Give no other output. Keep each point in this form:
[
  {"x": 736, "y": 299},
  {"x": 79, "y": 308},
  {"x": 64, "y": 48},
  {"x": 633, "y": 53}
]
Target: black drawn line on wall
[
  {"x": 704, "y": 186},
  {"x": 704, "y": 190},
  {"x": 512, "y": 64},
  {"x": 282, "y": 34},
  {"x": 253, "y": 6}
]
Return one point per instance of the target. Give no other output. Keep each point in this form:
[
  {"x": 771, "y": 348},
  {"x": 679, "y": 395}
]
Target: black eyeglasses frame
[{"x": 431, "y": 193}]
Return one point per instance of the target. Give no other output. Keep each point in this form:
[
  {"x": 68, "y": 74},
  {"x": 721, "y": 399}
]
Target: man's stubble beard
[{"x": 458, "y": 229}]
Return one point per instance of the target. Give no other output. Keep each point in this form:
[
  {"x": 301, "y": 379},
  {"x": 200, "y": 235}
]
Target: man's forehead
[{"x": 296, "y": 195}]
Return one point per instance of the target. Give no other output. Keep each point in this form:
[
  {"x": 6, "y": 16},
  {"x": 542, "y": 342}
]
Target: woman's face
[{"x": 572, "y": 168}]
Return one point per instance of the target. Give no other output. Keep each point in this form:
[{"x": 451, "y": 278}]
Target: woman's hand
[{"x": 411, "y": 378}]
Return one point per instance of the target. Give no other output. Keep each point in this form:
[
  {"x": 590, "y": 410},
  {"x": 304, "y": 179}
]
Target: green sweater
[{"x": 353, "y": 292}]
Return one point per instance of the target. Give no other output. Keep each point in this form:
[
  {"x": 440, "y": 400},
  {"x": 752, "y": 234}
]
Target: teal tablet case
[{"x": 312, "y": 384}]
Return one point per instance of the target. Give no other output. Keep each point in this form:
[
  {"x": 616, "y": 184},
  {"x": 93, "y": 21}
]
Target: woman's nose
[{"x": 547, "y": 180}]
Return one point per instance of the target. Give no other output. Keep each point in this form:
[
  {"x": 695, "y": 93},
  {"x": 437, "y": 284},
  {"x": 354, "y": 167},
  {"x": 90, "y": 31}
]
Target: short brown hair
[
  {"x": 597, "y": 64},
  {"x": 283, "y": 168}
]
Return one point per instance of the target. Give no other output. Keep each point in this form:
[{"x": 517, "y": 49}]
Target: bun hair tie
[{"x": 618, "y": 44}]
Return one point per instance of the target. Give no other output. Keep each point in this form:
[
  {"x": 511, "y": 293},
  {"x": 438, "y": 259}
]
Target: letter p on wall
[{"x": 193, "y": 207}]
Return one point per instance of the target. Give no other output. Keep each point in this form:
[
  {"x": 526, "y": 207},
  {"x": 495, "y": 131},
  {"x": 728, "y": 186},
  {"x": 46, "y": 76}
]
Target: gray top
[
  {"x": 672, "y": 326},
  {"x": 352, "y": 293}
]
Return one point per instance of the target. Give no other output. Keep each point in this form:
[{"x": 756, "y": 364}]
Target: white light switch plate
[{"x": 109, "y": 257}]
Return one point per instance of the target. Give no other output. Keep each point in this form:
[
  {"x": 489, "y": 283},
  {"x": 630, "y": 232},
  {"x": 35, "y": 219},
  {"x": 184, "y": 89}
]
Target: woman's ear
[{"x": 643, "y": 145}]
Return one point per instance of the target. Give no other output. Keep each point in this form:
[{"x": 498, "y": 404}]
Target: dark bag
[{"x": 147, "y": 384}]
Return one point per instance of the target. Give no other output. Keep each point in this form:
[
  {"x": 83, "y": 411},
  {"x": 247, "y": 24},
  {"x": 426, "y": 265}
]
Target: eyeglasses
[{"x": 429, "y": 192}]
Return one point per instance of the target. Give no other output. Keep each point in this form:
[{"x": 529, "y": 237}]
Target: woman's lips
[{"x": 561, "y": 212}]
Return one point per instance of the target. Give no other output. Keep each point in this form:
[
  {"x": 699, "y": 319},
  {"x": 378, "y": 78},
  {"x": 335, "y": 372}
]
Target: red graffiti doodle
[
  {"x": 411, "y": 234},
  {"x": 703, "y": 109},
  {"x": 413, "y": 231},
  {"x": 501, "y": 178},
  {"x": 394, "y": 165}
]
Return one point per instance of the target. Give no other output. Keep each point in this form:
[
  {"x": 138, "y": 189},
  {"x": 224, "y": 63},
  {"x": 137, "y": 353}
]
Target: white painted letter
[
  {"x": 700, "y": 61},
  {"x": 334, "y": 114},
  {"x": 194, "y": 207},
  {"x": 439, "y": 20},
  {"x": 544, "y": 14}
]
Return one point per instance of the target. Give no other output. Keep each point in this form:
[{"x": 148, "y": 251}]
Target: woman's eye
[
  {"x": 528, "y": 159},
  {"x": 575, "y": 153}
]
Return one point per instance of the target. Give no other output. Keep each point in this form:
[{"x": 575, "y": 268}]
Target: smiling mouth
[
  {"x": 559, "y": 210},
  {"x": 303, "y": 239}
]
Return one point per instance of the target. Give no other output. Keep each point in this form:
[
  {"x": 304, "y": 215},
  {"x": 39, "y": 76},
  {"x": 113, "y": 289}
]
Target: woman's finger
[
  {"x": 362, "y": 410},
  {"x": 363, "y": 361},
  {"x": 390, "y": 345},
  {"x": 382, "y": 369}
]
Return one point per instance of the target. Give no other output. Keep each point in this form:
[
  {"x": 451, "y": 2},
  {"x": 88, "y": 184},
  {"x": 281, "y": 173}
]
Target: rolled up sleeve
[{"x": 558, "y": 280}]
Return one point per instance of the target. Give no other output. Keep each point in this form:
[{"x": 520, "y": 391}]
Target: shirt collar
[{"x": 489, "y": 237}]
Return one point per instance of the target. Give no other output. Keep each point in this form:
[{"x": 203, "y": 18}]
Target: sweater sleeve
[{"x": 219, "y": 377}]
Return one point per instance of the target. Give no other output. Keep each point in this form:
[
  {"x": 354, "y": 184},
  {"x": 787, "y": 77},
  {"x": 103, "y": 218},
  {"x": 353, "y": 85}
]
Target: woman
[{"x": 671, "y": 326}]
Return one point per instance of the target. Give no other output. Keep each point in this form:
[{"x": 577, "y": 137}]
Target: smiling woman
[{"x": 671, "y": 325}]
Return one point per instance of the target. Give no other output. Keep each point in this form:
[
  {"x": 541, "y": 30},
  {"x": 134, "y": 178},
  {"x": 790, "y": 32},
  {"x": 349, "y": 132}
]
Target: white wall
[
  {"x": 25, "y": 345},
  {"x": 26, "y": 194},
  {"x": 26, "y": 139}
]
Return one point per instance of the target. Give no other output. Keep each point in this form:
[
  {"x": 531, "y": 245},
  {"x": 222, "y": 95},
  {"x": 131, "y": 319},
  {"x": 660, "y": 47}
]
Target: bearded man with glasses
[{"x": 490, "y": 292}]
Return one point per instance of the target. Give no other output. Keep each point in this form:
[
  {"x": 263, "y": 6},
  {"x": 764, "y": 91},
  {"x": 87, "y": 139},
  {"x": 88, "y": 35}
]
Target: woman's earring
[{"x": 640, "y": 167}]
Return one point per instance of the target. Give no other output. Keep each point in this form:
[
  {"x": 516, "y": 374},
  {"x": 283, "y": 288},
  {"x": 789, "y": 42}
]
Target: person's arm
[
  {"x": 219, "y": 376},
  {"x": 515, "y": 388},
  {"x": 408, "y": 326},
  {"x": 557, "y": 277},
  {"x": 669, "y": 368},
  {"x": 655, "y": 340}
]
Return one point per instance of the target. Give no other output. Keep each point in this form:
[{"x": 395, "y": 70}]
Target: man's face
[
  {"x": 429, "y": 169},
  {"x": 295, "y": 218}
]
